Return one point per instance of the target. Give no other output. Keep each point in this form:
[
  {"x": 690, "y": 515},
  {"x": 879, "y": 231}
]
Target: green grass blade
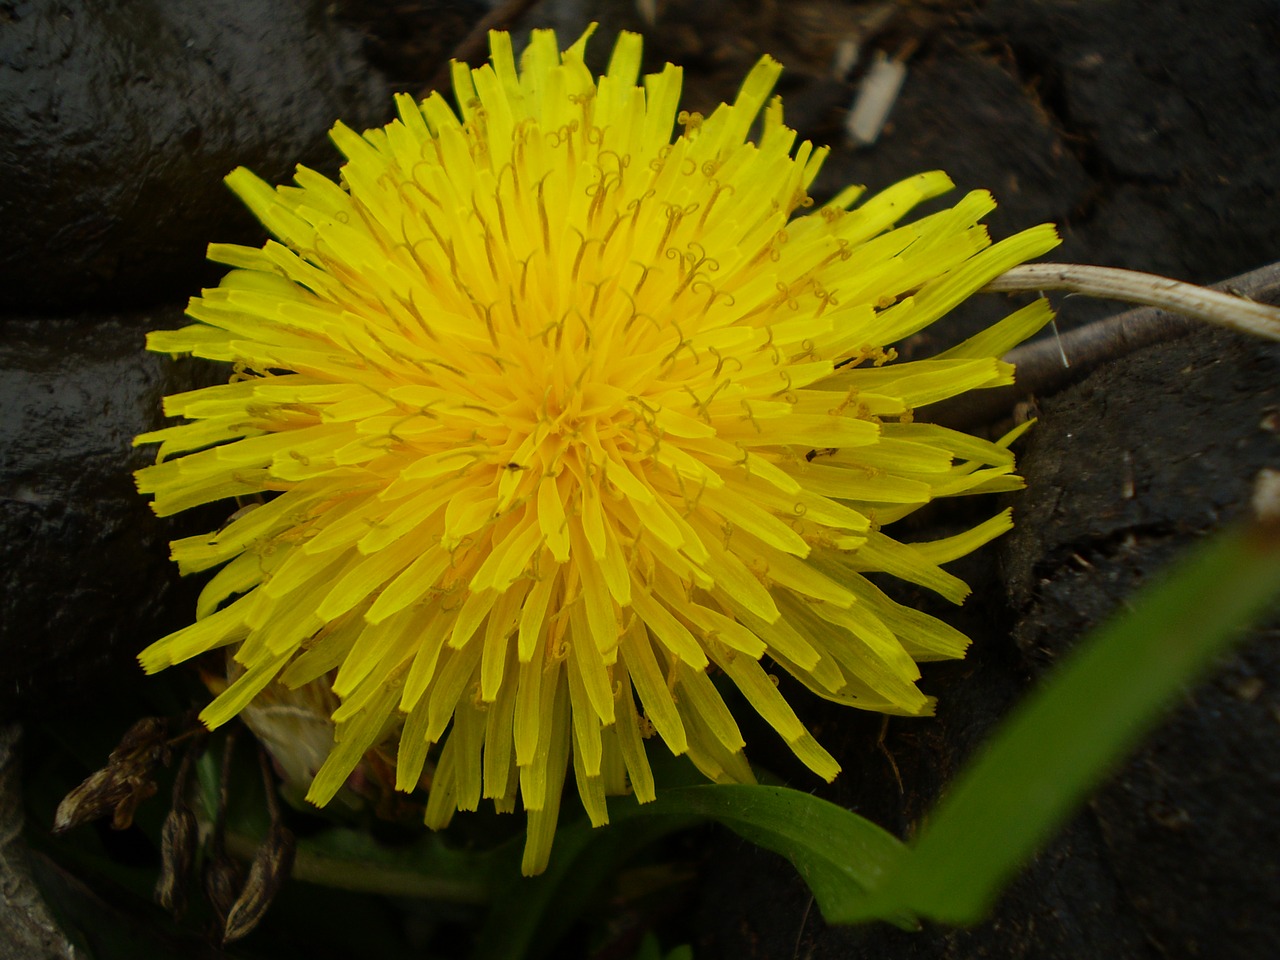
[
  {"x": 840, "y": 854},
  {"x": 1064, "y": 740}
]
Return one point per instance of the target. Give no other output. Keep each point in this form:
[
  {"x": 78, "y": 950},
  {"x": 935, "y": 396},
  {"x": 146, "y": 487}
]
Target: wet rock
[
  {"x": 85, "y": 579},
  {"x": 410, "y": 41},
  {"x": 1161, "y": 445},
  {"x": 28, "y": 930},
  {"x": 119, "y": 119}
]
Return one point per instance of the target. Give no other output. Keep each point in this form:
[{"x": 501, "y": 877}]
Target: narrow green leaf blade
[
  {"x": 840, "y": 854},
  {"x": 1064, "y": 740}
]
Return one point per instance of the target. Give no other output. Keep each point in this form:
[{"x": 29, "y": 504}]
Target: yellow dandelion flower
[{"x": 556, "y": 417}]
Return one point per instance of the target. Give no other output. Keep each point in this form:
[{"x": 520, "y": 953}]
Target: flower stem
[{"x": 367, "y": 877}]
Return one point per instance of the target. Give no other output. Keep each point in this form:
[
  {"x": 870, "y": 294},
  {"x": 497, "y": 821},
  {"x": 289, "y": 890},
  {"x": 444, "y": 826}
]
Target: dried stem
[
  {"x": 1041, "y": 367},
  {"x": 1109, "y": 283}
]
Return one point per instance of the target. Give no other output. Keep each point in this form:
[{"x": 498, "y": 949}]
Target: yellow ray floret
[{"x": 546, "y": 418}]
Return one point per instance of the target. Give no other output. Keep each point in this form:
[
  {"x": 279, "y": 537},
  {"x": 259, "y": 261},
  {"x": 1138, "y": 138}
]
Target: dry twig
[
  {"x": 1041, "y": 371},
  {"x": 1224, "y": 305}
]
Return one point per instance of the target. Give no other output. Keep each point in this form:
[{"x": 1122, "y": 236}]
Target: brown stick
[
  {"x": 1041, "y": 371},
  {"x": 1130, "y": 286}
]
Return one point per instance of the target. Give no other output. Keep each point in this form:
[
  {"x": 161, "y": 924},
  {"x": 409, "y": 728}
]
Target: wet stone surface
[
  {"x": 409, "y": 42},
  {"x": 1172, "y": 110},
  {"x": 86, "y": 573},
  {"x": 119, "y": 120}
]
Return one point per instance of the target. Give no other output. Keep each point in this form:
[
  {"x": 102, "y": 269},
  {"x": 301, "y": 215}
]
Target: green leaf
[
  {"x": 1061, "y": 743},
  {"x": 840, "y": 854},
  {"x": 651, "y": 949}
]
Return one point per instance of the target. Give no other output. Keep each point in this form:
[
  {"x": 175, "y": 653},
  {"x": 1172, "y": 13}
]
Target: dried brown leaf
[
  {"x": 223, "y": 880},
  {"x": 127, "y": 780},
  {"x": 267, "y": 874},
  {"x": 178, "y": 841}
]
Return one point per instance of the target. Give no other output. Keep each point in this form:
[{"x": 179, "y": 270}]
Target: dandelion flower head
[{"x": 544, "y": 423}]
